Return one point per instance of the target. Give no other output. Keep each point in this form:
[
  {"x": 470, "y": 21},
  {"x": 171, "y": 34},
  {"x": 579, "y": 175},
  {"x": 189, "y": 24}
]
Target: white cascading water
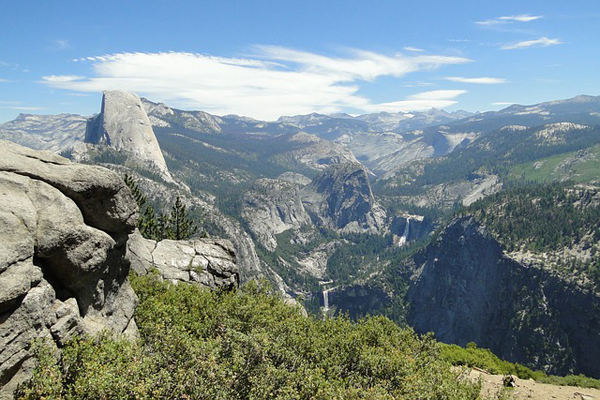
[
  {"x": 402, "y": 240},
  {"x": 325, "y": 300}
]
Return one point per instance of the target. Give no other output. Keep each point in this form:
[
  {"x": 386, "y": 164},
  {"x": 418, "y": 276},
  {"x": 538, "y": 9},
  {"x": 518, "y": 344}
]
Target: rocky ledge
[
  {"x": 210, "y": 263},
  {"x": 67, "y": 241},
  {"x": 62, "y": 255}
]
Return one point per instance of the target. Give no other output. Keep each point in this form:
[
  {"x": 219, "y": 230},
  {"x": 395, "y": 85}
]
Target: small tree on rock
[
  {"x": 147, "y": 223},
  {"x": 176, "y": 225},
  {"x": 182, "y": 227}
]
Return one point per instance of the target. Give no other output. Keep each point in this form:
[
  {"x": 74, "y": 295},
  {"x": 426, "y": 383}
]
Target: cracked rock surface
[
  {"x": 210, "y": 263},
  {"x": 63, "y": 271}
]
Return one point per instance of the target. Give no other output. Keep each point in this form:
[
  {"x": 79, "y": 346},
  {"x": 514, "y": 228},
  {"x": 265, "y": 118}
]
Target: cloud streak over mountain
[
  {"x": 274, "y": 81},
  {"x": 421, "y": 101}
]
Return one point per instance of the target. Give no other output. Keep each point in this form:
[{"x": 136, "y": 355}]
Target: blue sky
[{"x": 269, "y": 58}]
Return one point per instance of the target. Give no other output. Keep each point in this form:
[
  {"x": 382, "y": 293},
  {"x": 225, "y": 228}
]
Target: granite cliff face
[
  {"x": 465, "y": 288},
  {"x": 123, "y": 125},
  {"x": 340, "y": 198},
  {"x": 67, "y": 244},
  {"x": 62, "y": 263},
  {"x": 210, "y": 263},
  {"x": 273, "y": 206}
]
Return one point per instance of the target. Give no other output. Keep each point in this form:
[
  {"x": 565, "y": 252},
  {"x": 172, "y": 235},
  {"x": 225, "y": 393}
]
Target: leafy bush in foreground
[
  {"x": 472, "y": 356},
  {"x": 246, "y": 345},
  {"x": 572, "y": 380}
]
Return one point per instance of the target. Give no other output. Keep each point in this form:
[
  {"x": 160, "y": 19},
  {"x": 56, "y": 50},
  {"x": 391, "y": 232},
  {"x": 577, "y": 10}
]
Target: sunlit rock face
[
  {"x": 62, "y": 255},
  {"x": 123, "y": 125},
  {"x": 340, "y": 198},
  {"x": 209, "y": 263}
]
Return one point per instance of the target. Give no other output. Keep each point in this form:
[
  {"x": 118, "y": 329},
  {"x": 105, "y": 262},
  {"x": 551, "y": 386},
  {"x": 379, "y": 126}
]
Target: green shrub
[
  {"x": 472, "y": 356},
  {"x": 572, "y": 380},
  {"x": 247, "y": 344}
]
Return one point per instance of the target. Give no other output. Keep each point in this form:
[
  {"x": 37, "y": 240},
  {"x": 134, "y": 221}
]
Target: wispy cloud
[
  {"x": 4, "y": 80},
  {"x": 59, "y": 45},
  {"x": 418, "y": 84},
  {"x": 481, "y": 80},
  {"x": 421, "y": 101},
  {"x": 275, "y": 81},
  {"x": 414, "y": 49},
  {"x": 62, "y": 78},
  {"x": 541, "y": 42},
  {"x": 509, "y": 19},
  {"x": 521, "y": 18}
]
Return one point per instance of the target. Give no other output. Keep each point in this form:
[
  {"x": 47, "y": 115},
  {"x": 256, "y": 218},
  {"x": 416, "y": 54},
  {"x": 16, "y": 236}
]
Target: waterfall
[
  {"x": 404, "y": 236},
  {"x": 325, "y": 300}
]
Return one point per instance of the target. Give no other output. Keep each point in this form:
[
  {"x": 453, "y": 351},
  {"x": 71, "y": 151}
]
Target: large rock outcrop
[
  {"x": 210, "y": 263},
  {"x": 466, "y": 289},
  {"x": 62, "y": 255},
  {"x": 273, "y": 206},
  {"x": 340, "y": 198},
  {"x": 123, "y": 125}
]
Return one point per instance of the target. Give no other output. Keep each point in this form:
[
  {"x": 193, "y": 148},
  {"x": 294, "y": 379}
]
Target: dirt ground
[{"x": 529, "y": 389}]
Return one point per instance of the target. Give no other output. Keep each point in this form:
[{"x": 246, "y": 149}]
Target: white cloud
[
  {"x": 421, "y": 101},
  {"x": 509, "y": 19},
  {"x": 415, "y": 49},
  {"x": 62, "y": 78},
  {"x": 418, "y": 84},
  {"x": 437, "y": 95},
  {"x": 541, "y": 42},
  {"x": 520, "y": 18},
  {"x": 275, "y": 81},
  {"x": 4, "y": 80},
  {"x": 482, "y": 80}
]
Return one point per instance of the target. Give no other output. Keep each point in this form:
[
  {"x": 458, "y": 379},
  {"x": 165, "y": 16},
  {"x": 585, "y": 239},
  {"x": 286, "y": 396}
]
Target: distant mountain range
[
  {"x": 340, "y": 204},
  {"x": 383, "y": 142}
]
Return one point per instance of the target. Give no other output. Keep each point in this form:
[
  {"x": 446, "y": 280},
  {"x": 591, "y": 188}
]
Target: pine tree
[
  {"x": 139, "y": 197},
  {"x": 176, "y": 225},
  {"x": 163, "y": 230},
  {"x": 147, "y": 223},
  {"x": 182, "y": 227}
]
